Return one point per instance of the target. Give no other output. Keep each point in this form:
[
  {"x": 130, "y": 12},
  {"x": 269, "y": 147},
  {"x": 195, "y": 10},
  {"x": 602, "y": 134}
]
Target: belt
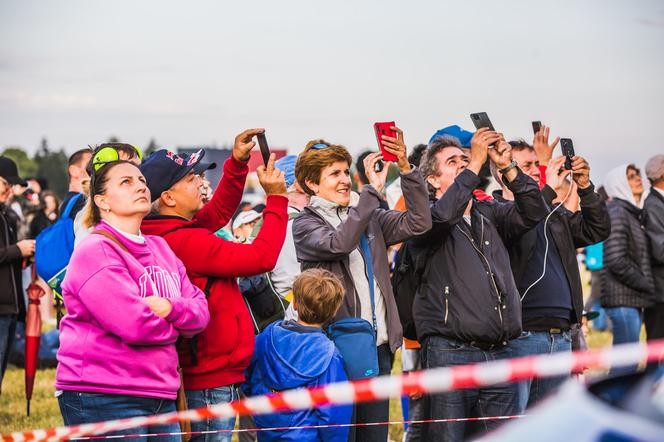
[
  {"x": 486, "y": 346},
  {"x": 552, "y": 330}
]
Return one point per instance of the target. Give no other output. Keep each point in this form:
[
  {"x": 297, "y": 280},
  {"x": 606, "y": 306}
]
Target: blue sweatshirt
[{"x": 289, "y": 355}]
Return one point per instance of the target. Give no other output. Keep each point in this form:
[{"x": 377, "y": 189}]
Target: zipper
[
  {"x": 447, "y": 306},
  {"x": 493, "y": 281}
]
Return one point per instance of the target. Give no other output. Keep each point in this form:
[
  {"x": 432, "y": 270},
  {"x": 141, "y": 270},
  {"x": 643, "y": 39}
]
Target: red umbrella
[{"x": 33, "y": 325}]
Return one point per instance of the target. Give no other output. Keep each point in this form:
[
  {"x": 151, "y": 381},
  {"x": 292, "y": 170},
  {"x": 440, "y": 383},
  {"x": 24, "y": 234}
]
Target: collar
[{"x": 138, "y": 239}]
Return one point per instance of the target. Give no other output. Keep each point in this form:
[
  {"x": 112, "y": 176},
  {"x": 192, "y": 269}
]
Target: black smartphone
[
  {"x": 537, "y": 125},
  {"x": 265, "y": 150},
  {"x": 480, "y": 120},
  {"x": 567, "y": 147}
]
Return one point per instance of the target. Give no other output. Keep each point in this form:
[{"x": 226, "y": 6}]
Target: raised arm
[
  {"x": 226, "y": 199},
  {"x": 318, "y": 241}
]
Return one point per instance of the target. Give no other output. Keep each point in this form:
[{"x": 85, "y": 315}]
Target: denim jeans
[
  {"x": 7, "y": 328},
  {"x": 205, "y": 398},
  {"x": 539, "y": 343},
  {"x": 497, "y": 400},
  {"x": 376, "y": 411},
  {"x": 79, "y": 407},
  {"x": 626, "y": 328}
]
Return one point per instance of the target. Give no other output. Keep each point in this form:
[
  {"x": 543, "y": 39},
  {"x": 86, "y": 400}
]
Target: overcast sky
[{"x": 188, "y": 73}]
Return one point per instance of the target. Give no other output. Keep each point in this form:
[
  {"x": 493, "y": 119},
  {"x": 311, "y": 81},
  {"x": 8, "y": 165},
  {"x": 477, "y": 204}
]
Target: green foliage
[
  {"x": 52, "y": 165},
  {"x": 26, "y": 165}
]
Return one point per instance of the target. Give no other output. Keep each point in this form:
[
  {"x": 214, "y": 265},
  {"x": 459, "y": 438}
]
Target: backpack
[
  {"x": 595, "y": 256},
  {"x": 265, "y": 305},
  {"x": 410, "y": 265},
  {"x": 55, "y": 244}
]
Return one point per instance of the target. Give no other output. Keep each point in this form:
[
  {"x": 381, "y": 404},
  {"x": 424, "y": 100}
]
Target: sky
[{"x": 197, "y": 73}]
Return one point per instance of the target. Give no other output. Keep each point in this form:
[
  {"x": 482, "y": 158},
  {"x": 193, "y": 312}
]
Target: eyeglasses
[
  {"x": 320, "y": 146},
  {"x": 110, "y": 154}
]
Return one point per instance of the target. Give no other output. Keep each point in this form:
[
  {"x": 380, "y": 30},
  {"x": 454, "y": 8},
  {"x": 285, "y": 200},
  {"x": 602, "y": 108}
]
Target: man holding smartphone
[
  {"x": 544, "y": 261},
  {"x": 467, "y": 308},
  {"x": 214, "y": 361}
]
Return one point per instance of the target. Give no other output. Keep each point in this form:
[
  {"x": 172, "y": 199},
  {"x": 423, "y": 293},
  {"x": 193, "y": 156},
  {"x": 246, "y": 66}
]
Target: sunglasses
[
  {"x": 109, "y": 155},
  {"x": 320, "y": 146}
]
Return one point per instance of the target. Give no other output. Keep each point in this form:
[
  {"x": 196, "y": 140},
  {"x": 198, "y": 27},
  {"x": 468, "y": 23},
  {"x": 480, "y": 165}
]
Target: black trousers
[
  {"x": 654, "y": 320},
  {"x": 377, "y": 411}
]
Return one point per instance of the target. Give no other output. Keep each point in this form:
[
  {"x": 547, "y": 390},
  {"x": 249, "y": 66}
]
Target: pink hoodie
[{"x": 110, "y": 341}]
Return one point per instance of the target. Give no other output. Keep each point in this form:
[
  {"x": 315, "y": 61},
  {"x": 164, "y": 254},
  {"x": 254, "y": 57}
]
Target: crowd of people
[{"x": 176, "y": 289}]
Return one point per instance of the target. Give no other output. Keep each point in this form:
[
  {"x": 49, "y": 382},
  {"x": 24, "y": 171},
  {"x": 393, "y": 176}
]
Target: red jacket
[{"x": 225, "y": 348}]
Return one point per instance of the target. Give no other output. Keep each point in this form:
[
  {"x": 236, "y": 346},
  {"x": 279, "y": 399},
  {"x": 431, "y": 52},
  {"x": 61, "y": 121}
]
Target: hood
[
  {"x": 290, "y": 358},
  {"x": 617, "y": 186},
  {"x": 160, "y": 225}
]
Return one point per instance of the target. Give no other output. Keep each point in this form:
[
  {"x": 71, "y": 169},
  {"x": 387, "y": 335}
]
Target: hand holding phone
[
  {"x": 265, "y": 150},
  {"x": 567, "y": 147},
  {"x": 481, "y": 120},
  {"x": 381, "y": 129}
]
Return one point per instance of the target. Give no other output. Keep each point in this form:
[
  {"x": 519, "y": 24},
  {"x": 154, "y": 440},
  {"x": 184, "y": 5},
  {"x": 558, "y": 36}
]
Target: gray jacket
[
  {"x": 319, "y": 245},
  {"x": 654, "y": 224}
]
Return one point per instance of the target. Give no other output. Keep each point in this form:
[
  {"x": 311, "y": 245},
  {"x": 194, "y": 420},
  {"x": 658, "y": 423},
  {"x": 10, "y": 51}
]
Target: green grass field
[{"x": 46, "y": 414}]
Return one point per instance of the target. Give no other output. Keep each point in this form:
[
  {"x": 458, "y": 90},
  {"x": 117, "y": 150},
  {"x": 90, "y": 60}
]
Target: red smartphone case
[{"x": 384, "y": 129}]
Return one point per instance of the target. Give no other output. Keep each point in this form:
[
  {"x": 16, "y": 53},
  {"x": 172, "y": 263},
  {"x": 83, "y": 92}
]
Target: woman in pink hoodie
[{"x": 128, "y": 300}]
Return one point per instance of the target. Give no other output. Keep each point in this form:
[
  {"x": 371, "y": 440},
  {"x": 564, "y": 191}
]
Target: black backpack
[{"x": 410, "y": 264}]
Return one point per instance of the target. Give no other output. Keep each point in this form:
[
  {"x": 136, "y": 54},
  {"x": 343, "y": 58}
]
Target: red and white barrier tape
[
  {"x": 436, "y": 380},
  {"x": 308, "y": 427}
]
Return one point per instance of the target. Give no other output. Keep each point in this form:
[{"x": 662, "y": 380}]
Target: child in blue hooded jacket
[{"x": 292, "y": 354}]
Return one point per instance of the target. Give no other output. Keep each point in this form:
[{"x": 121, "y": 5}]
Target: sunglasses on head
[
  {"x": 110, "y": 154},
  {"x": 320, "y": 146}
]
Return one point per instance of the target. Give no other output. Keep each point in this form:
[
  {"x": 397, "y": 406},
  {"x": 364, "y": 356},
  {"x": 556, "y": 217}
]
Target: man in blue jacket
[{"x": 290, "y": 354}]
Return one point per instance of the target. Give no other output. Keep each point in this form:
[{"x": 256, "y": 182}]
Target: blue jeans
[
  {"x": 539, "y": 343},
  {"x": 497, "y": 400},
  {"x": 626, "y": 328},
  {"x": 376, "y": 411},
  {"x": 7, "y": 328},
  {"x": 79, "y": 407},
  {"x": 205, "y": 398}
]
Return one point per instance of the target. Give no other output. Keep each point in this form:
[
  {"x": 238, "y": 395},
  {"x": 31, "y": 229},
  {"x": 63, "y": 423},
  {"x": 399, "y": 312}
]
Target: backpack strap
[
  {"x": 111, "y": 237},
  {"x": 70, "y": 205},
  {"x": 366, "y": 251}
]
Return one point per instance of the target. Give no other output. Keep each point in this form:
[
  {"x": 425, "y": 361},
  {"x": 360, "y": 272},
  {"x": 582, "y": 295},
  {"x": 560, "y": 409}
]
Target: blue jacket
[{"x": 289, "y": 355}]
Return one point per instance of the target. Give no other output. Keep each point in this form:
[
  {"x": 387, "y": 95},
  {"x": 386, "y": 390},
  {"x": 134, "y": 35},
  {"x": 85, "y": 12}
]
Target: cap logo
[
  {"x": 193, "y": 158},
  {"x": 179, "y": 160}
]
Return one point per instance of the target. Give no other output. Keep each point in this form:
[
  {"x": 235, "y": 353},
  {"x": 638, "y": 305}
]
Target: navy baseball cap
[
  {"x": 163, "y": 169},
  {"x": 203, "y": 166},
  {"x": 455, "y": 131}
]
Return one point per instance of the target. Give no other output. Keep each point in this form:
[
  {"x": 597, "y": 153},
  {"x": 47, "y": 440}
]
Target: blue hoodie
[{"x": 289, "y": 355}]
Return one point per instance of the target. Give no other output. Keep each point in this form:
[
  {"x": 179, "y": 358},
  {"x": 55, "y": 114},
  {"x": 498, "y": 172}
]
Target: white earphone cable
[{"x": 546, "y": 238}]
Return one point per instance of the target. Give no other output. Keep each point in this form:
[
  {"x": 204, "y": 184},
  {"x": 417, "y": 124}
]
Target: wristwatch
[{"x": 511, "y": 166}]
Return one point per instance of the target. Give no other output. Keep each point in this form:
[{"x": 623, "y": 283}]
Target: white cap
[{"x": 245, "y": 217}]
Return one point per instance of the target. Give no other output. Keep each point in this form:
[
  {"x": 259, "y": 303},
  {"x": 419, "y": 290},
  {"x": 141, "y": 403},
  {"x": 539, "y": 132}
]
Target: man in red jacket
[{"x": 214, "y": 362}]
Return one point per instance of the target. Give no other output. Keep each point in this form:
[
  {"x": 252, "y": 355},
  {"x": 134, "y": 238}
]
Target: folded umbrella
[{"x": 33, "y": 323}]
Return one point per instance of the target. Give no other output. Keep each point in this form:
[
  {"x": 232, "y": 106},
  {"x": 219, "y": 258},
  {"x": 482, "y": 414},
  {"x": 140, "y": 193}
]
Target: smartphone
[
  {"x": 384, "y": 129},
  {"x": 537, "y": 125},
  {"x": 480, "y": 120},
  {"x": 265, "y": 150},
  {"x": 567, "y": 147}
]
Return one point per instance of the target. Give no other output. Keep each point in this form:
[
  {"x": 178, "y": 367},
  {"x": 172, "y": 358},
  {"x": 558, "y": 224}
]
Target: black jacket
[
  {"x": 569, "y": 231},
  {"x": 468, "y": 291},
  {"x": 11, "y": 286},
  {"x": 654, "y": 223},
  {"x": 627, "y": 276}
]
